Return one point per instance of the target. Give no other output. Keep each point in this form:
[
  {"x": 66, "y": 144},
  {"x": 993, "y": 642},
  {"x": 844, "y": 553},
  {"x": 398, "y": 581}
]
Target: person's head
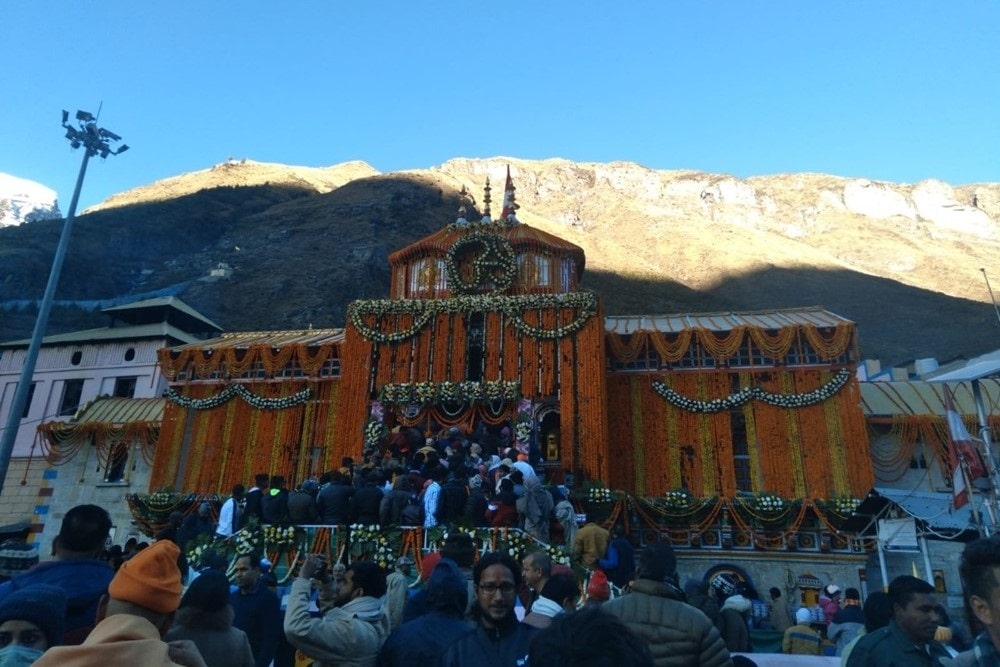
[
  {"x": 506, "y": 485},
  {"x": 563, "y": 590},
  {"x": 852, "y": 596},
  {"x": 657, "y": 562},
  {"x": 363, "y": 578},
  {"x": 914, "y": 607},
  {"x": 497, "y": 577},
  {"x": 239, "y": 491},
  {"x": 598, "y": 589},
  {"x": 803, "y": 616},
  {"x": 404, "y": 564},
  {"x": 877, "y": 611},
  {"x": 212, "y": 560},
  {"x": 260, "y": 480},
  {"x": 589, "y": 637},
  {"x": 980, "y": 571},
  {"x": 32, "y": 619},
  {"x": 517, "y": 476},
  {"x": 246, "y": 572},
  {"x": 204, "y": 509},
  {"x": 146, "y": 585},
  {"x": 775, "y": 592},
  {"x": 460, "y": 548},
  {"x": 447, "y": 591},
  {"x": 209, "y": 593},
  {"x": 277, "y": 482},
  {"x": 536, "y": 568},
  {"x": 832, "y": 591},
  {"x": 83, "y": 532}
]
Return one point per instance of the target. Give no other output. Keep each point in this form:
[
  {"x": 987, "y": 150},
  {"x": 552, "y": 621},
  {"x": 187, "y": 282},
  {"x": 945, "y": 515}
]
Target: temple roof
[
  {"x": 520, "y": 236},
  {"x": 770, "y": 320}
]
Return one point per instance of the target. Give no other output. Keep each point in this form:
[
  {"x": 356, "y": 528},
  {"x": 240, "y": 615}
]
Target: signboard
[{"x": 898, "y": 534}]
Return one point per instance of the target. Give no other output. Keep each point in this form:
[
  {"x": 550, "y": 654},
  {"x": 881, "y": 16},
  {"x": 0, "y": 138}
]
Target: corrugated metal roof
[
  {"x": 933, "y": 508},
  {"x": 130, "y": 332},
  {"x": 765, "y": 319},
  {"x": 114, "y": 410},
  {"x": 241, "y": 339},
  {"x": 916, "y": 397}
]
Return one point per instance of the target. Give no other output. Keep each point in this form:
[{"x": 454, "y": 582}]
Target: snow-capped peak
[{"x": 22, "y": 201}]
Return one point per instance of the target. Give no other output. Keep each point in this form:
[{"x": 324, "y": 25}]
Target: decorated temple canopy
[
  {"x": 923, "y": 398},
  {"x": 106, "y": 422},
  {"x": 256, "y": 355},
  {"x": 794, "y": 337},
  {"x": 767, "y": 320}
]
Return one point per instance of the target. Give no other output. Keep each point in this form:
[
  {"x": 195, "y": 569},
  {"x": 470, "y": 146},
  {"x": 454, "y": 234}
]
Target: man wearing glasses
[{"x": 499, "y": 640}]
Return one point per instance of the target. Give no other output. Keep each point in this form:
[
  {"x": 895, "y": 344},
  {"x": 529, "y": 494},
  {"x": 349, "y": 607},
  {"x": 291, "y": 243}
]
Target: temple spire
[
  {"x": 486, "y": 201},
  {"x": 509, "y": 203},
  {"x": 463, "y": 197}
]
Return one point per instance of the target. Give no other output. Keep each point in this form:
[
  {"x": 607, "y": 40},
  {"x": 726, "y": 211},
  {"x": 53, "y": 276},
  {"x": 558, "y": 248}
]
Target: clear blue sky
[{"x": 897, "y": 91}]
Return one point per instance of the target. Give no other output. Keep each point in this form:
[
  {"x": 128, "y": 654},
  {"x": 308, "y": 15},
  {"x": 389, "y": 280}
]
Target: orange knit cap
[{"x": 150, "y": 578}]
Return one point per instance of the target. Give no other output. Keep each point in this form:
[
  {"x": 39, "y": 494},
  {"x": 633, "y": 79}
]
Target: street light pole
[{"x": 95, "y": 141}]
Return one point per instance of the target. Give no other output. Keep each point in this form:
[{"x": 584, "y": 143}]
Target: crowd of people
[{"x": 146, "y": 604}]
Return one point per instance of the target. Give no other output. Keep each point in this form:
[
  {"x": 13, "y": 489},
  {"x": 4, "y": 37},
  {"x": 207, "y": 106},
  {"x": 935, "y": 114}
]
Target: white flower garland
[
  {"x": 433, "y": 393},
  {"x": 512, "y": 307},
  {"x": 495, "y": 263},
  {"x": 238, "y": 390},
  {"x": 733, "y": 401}
]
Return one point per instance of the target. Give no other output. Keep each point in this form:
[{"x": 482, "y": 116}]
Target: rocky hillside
[{"x": 903, "y": 261}]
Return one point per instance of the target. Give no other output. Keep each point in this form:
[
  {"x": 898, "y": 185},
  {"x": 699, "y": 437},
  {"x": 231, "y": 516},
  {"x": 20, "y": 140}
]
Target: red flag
[{"x": 961, "y": 452}]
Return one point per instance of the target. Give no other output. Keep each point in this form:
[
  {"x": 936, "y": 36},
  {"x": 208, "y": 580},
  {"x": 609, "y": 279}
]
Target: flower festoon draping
[
  {"x": 233, "y": 362},
  {"x": 814, "y": 451},
  {"x": 569, "y": 364},
  {"x": 210, "y": 450},
  {"x": 891, "y": 453}
]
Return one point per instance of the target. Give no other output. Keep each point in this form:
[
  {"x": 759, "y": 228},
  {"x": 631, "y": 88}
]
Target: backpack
[{"x": 413, "y": 512}]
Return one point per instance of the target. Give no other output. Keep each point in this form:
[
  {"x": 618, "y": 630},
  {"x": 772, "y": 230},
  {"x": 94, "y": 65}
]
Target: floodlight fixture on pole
[{"x": 95, "y": 141}]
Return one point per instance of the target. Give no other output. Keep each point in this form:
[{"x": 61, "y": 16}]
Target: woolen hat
[
  {"x": 16, "y": 557},
  {"x": 598, "y": 588},
  {"x": 208, "y": 592},
  {"x": 150, "y": 578},
  {"x": 41, "y": 604}
]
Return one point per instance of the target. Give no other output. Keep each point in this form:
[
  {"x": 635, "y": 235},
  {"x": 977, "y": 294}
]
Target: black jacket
[
  {"x": 334, "y": 502},
  {"x": 366, "y": 504},
  {"x": 504, "y": 646}
]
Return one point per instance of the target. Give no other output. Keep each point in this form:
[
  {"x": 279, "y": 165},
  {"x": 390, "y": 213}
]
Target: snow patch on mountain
[{"x": 23, "y": 201}]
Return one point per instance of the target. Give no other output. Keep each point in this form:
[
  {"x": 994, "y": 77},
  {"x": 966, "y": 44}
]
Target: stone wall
[{"x": 50, "y": 491}]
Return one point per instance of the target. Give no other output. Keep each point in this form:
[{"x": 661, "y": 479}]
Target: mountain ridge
[{"x": 902, "y": 260}]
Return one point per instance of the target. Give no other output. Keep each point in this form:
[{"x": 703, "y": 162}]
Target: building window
[
  {"x": 130, "y": 354},
  {"x": 741, "y": 451},
  {"x": 125, "y": 387},
  {"x": 76, "y": 358},
  {"x": 117, "y": 459},
  {"x": 72, "y": 390},
  {"x": 27, "y": 401},
  {"x": 474, "y": 346},
  {"x": 422, "y": 276}
]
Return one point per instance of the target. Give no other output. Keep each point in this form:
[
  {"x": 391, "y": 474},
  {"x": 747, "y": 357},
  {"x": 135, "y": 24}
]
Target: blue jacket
[
  {"x": 259, "y": 615},
  {"x": 85, "y": 580}
]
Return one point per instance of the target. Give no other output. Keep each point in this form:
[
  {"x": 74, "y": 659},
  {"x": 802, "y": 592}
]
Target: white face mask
[{"x": 16, "y": 655}]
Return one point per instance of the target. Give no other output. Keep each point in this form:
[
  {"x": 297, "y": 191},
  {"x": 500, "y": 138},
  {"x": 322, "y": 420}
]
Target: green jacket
[
  {"x": 678, "y": 634},
  {"x": 890, "y": 647}
]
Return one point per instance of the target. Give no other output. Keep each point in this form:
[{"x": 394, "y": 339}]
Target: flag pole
[{"x": 987, "y": 451}]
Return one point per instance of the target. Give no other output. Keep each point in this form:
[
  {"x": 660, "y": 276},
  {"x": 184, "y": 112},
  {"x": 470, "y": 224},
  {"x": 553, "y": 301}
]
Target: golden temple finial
[
  {"x": 463, "y": 197},
  {"x": 486, "y": 200}
]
